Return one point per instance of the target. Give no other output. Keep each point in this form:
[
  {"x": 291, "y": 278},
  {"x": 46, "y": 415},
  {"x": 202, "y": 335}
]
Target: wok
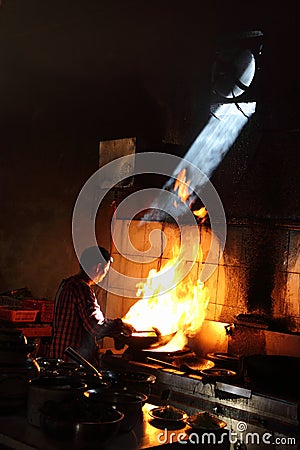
[{"x": 146, "y": 339}]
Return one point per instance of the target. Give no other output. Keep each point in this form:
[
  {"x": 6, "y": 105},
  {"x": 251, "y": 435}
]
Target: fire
[
  {"x": 170, "y": 303},
  {"x": 182, "y": 187},
  {"x": 201, "y": 213},
  {"x": 170, "y": 300}
]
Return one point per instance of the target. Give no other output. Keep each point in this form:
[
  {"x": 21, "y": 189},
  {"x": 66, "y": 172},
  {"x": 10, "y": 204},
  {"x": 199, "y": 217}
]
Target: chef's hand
[
  {"x": 127, "y": 329},
  {"x": 119, "y": 340},
  {"x": 114, "y": 327}
]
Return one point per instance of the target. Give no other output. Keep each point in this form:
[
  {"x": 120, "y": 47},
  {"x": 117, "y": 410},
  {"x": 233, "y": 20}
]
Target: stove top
[
  {"x": 184, "y": 360},
  {"x": 186, "y": 363},
  {"x": 233, "y": 400}
]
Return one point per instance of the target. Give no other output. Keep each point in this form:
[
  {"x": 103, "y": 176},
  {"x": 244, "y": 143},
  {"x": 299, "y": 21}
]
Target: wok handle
[
  {"x": 163, "y": 363},
  {"x": 81, "y": 360}
]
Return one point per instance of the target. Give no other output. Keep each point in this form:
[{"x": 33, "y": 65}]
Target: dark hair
[{"x": 92, "y": 256}]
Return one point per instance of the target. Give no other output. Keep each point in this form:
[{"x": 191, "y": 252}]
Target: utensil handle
[
  {"x": 163, "y": 363},
  {"x": 81, "y": 360}
]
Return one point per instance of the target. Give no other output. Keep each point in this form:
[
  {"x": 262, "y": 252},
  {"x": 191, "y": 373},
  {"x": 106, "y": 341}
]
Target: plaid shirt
[{"x": 78, "y": 321}]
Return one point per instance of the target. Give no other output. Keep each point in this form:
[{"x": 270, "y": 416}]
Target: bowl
[
  {"x": 168, "y": 413},
  {"x": 129, "y": 403}
]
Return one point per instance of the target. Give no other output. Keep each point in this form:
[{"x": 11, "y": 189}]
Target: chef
[{"x": 78, "y": 320}]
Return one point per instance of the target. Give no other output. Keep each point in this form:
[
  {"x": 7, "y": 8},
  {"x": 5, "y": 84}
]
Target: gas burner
[
  {"x": 225, "y": 360},
  {"x": 132, "y": 356}
]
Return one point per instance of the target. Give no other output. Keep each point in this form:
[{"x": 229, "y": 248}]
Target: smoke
[{"x": 207, "y": 151}]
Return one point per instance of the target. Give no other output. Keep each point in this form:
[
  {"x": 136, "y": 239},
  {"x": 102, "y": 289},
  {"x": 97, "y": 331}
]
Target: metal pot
[
  {"x": 81, "y": 360},
  {"x": 130, "y": 404},
  {"x": 88, "y": 434},
  {"x": 80, "y": 422},
  {"x": 45, "y": 389},
  {"x": 130, "y": 381}
]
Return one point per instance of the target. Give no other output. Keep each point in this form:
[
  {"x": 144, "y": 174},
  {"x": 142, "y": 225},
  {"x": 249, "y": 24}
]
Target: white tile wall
[{"x": 228, "y": 283}]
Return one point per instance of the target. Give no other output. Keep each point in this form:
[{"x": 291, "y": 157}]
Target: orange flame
[
  {"x": 182, "y": 186},
  {"x": 180, "y": 310},
  {"x": 201, "y": 213}
]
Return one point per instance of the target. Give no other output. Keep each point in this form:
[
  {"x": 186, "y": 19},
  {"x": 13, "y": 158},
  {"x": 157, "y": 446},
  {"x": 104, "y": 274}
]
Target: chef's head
[{"x": 95, "y": 262}]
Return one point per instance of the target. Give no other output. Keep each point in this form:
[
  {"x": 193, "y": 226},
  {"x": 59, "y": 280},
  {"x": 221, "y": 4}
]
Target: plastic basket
[{"x": 15, "y": 314}]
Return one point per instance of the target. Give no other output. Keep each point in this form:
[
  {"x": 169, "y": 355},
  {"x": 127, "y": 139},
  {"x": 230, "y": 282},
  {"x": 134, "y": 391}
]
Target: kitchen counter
[{"x": 17, "y": 433}]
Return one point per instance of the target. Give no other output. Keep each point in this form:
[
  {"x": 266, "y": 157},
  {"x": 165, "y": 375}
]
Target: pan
[{"x": 145, "y": 339}]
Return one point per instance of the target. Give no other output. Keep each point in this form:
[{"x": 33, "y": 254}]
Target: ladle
[{"x": 81, "y": 360}]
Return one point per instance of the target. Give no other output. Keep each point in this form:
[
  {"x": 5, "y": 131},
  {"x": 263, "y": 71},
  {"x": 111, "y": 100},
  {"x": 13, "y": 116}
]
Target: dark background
[{"x": 74, "y": 73}]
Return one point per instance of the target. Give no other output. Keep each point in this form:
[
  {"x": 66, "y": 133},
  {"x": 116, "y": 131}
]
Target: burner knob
[{"x": 218, "y": 410}]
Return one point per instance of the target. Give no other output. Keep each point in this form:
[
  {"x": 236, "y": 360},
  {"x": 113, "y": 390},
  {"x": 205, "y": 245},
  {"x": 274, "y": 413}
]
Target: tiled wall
[{"x": 259, "y": 271}]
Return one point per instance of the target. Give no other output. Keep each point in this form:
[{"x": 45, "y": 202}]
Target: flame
[
  {"x": 180, "y": 309},
  {"x": 182, "y": 186},
  {"x": 201, "y": 213}
]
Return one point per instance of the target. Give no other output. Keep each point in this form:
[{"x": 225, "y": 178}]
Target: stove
[{"x": 247, "y": 411}]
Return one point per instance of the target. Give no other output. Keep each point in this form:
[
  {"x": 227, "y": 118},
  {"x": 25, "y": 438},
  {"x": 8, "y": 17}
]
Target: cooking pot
[
  {"x": 130, "y": 381},
  {"x": 88, "y": 434},
  {"x": 81, "y": 360},
  {"x": 129, "y": 403},
  {"x": 49, "y": 366},
  {"x": 80, "y": 421},
  {"x": 92, "y": 377},
  {"x": 44, "y": 389}
]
